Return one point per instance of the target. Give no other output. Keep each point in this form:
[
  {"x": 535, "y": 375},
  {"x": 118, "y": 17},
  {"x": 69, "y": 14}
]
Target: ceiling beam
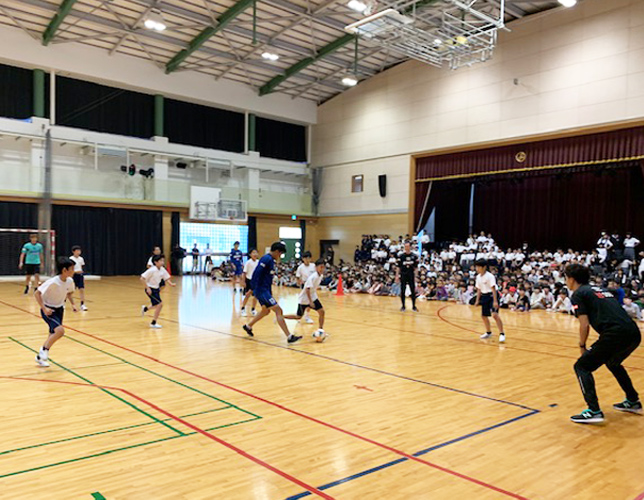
[
  {"x": 64, "y": 9},
  {"x": 208, "y": 32},
  {"x": 304, "y": 63}
]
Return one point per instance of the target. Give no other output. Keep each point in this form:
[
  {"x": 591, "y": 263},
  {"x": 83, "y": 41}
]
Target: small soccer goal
[{"x": 11, "y": 243}]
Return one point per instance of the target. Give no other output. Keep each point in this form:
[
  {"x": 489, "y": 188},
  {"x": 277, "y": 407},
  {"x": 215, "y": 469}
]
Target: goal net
[{"x": 11, "y": 243}]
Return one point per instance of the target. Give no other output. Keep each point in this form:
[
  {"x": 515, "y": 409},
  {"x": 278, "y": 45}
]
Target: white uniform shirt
[
  {"x": 312, "y": 284},
  {"x": 249, "y": 268},
  {"x": 79, "y": 262},
  {"x": 631, "y": 242},
  {"x": 303, "y": 271},
  {"x": 486, "y": 282},
  {"x": 54, "y": 291},
  {"x": 154, "y": 275}
]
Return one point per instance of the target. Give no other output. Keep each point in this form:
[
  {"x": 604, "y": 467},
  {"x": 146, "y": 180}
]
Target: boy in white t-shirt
[
  {"x": 487, "y": 294},
  {"x": 304, "y": 270},
  {"x": 249, "y": 269},
  {"x": 79, "y": 278},
  {"x": 308, "y": 298},
  {"x": 51, "y": 297},
  {"x": 152, "y": 279}
]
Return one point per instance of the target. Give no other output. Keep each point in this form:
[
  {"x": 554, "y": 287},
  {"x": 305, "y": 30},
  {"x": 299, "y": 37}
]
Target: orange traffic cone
[{"x": 340, "y": 290}]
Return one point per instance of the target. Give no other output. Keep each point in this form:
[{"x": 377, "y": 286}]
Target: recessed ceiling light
[
  {"x": 155, "y": 21},
  {"x": 349, "y": 81},
  {"x": 568, "y": 3},
  {"x": 357, "y": 5},
  {"x": 270, "y": 56}
]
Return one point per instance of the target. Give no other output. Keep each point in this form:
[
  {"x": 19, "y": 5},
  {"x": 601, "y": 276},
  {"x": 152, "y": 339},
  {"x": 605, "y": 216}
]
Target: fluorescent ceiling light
[
  {"x": 568, "y": 3},
  {"x": 270, "y": 56},
  {"x": 349, "y": 81},
  {"x": 357, "y": 5},
  {"x": 155, "y": 21}
]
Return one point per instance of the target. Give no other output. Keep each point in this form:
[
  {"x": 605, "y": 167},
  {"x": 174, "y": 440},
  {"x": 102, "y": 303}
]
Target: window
[
  {"x": 290, "y": 233},
  {"x": 220, "y": 237},
  {"x": 357, "y": 184}
]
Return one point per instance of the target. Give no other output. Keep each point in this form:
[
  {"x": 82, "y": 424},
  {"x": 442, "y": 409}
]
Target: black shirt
[
  {"x": 407, "y": 262},
  {"x": 604, "y": 313}
]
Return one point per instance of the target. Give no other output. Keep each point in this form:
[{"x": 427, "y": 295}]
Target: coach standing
[{"x": 406, "y": 274}]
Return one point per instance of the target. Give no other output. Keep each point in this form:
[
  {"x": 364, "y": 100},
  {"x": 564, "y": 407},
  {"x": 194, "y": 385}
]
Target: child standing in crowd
[{"x": 487, "y": 295}]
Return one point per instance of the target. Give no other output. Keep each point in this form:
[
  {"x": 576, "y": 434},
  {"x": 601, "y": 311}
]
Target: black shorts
[
  {"x": 247, "y": 287},
  {"x": 487, "y": 305},
  {"x": 79, "y": 280},
  {"x": 301, "y": 308},
  {"x": 155, "y": 296},
  {"x": 161, "y": 284},
  {"x": 32, "y": 269},
  {"x": 55, "y": 319}
]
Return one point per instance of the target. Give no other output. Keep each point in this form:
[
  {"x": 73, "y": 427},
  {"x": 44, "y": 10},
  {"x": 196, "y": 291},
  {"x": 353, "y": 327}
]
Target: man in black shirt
[
  {"x": 406, "y": 273},
  {"x": 619, "y": 336}
]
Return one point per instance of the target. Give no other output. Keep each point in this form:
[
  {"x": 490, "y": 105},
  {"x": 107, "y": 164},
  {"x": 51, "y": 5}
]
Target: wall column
[
  {"x": 159, "y": 116},
  {"x": 252, "y": 129},
  {"x": 39, "y": 93}
]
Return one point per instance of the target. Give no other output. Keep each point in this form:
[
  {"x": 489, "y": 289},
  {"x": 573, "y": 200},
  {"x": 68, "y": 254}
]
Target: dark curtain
[
  {"x": 196, "y": 125},
  {"x": 100, "y": 108},
  {"x": 15, "y": 215},
  {"x": 303, "y": 228},
  {"x": 281, "y": 140},
  {"x": 252, "y": 233},
  {"x": 552, "y": 211},
  {"x": 421, "y": 217},
  {"x": 176, "y": 230},
  {"x": 619, "y": 144},
  {"x": 452, "y": 203},
  {"x": 114, "y": 241},
  {"x": 16, "y": 92}
]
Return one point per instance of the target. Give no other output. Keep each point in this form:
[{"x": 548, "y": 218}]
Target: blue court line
[
  {"x": 417, "y": 454},
  {"x": 376, "y": 370}
]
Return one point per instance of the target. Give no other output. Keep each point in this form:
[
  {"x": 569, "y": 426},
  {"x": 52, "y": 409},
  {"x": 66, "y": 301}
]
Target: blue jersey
[
  {"x": 237, "y": 258},
  {"x": 262, "y": 280}
]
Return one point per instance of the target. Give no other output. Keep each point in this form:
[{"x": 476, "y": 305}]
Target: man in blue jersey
[
  {"x": 261, "y": 284},
  {"x": 237, "y": 260}
]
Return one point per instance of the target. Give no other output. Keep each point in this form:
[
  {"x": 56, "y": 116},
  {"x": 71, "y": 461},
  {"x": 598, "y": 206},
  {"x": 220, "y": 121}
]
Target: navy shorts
[
  {"x": 55, "y": 319},
  {"x": 239, "y": 271},
  {"x": 79, "y": 280},
  {"x": 301, "y": 308},
  {"x": 487, "y": 305},
  {"x": 247, "y": 288},
  {"x": 155, "y": 296},
  {"x": 32, "y": 269},
  {"x": 265, "y": 298}
]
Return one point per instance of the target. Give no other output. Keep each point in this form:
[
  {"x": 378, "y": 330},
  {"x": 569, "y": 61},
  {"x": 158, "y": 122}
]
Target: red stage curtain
[{"x": 619, "y": 144}]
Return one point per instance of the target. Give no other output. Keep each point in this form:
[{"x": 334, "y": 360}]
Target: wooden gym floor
[{"x": 392, "y": 406}]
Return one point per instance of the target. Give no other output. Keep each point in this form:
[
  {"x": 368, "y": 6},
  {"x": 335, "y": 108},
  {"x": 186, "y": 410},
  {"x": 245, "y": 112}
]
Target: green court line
[
  {"x": 161, "y": 376},
  {"x": 131, "y": 405},
  {"x": 103, "y": 453},
  {"x": 98, "y": 496},
  {"x": 39, "y": 445}
]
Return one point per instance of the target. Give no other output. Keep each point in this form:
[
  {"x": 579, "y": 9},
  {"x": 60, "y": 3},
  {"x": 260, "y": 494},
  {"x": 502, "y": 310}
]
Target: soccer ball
[{"x": 319, "y": 335}]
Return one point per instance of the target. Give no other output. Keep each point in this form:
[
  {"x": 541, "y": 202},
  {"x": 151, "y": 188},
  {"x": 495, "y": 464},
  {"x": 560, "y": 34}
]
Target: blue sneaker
[{"x": 588, "y": 417}]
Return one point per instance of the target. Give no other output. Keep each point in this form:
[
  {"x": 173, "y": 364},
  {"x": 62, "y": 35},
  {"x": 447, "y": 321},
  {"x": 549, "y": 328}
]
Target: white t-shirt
[
  {"x": 150, "y": 263},
  {"x": 79, "y": 262},
  {"x": 54, "y": 291},
  {"x": 154, "y": 275},
  {"x": 312, "y": 283},
  {"x": 303, "y": 271},
  {"x": 631, "y": 242},
  {"x": 249, "y": 268},
  {"x": 486, "y": 283}
]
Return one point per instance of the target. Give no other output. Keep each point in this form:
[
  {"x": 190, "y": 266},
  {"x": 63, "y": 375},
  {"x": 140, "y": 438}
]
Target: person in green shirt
[{"x": 31, "y": 256}]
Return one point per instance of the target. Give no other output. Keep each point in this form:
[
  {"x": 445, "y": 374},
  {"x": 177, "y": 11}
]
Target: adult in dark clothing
[
  {"x": 619, "y": 336},
  {"x": 406, "y": 274},
  {"x": 177, "y": 257}
]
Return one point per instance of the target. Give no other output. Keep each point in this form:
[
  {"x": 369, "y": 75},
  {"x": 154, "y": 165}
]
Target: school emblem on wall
[{"x": 521, "y": 156}]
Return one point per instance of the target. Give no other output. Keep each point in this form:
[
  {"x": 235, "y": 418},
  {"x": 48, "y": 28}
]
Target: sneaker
[
  {"x": 502, "y": 337},
  {"x": 308, "y": 320},
  {"x": 244, "y": 313},
  {"x": 143, "y": 310},
  {"x": 83, "y": 307},
  {"x": 485, "y": 336},
  {"x": 293, "y": 338},
  {"x": 248, "y": 330},
  {"x": 627, "y": 406},
  {"x": 403, "y": 309},
  {"x": 588, "y": 417},
  {"x": 415, "y": 309},
  {"x": 41, "y": 362},
  {"x": 26, "y": 290},
  {"x": 254, "y": 312},
  {"x": 155, "y": 325}
]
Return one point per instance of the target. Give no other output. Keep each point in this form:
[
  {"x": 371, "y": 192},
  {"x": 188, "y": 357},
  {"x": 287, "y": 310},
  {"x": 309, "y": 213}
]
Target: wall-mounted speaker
[{"x": 382, "y": 185}]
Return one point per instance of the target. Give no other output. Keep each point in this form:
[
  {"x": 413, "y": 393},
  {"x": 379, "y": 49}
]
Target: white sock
[{"x": 44, "y": 353}]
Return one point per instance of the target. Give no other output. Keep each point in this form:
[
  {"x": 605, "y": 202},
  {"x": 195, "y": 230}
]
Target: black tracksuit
[{"x": 407, "y": 263}]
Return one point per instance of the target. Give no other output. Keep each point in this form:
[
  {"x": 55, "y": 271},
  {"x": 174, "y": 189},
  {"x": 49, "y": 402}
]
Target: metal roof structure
[{"x": 226, "y": 38}]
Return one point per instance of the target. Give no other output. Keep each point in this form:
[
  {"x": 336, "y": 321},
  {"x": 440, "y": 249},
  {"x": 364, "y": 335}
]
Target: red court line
[
  {"x": 241, "y": 452},
  {"x": 640, "y": 496},
  {"x": 294, "y": 412},
  {"x": 438, "y": 313}
]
